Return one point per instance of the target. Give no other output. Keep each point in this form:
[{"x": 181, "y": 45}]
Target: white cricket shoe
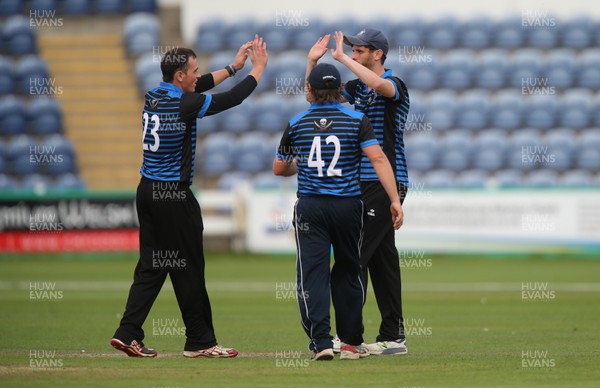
[
  {"x": 337, "y": 344},
  {"x": 388, "y": 347}
]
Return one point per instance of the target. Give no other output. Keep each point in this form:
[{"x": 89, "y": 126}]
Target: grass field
[{"x": 471, "y": 322}]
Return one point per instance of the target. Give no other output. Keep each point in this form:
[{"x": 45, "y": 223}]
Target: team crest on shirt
[
  {"x": 153, "y": 103},
  {"x": 323, "y": 124}
]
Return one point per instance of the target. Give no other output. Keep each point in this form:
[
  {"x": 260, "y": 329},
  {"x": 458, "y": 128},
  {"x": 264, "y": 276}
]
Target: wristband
[{"x": 231, "y": 70}]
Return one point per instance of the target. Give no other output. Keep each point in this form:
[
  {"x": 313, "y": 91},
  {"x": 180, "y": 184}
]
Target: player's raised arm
[
  {"x": 258, "y": 56},
  {"x": 210, "y": 80},
  {"x": 374, "y": 81},
  {"x": 315, "y": 53}
]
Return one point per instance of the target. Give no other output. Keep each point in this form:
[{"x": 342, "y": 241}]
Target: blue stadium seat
[
  {"x": 270, "y": 114},
  {"x": 421, "y": 76},
  {"x": 508, "y": 178},
  {"x": 492, "y": 68},
  {"x": 488, "y": 159},
  {"x": 250, "y": 151},
  {"x": 20, "y": 145},
  {"x": 589, "y": 69},
  {"x": 69, "y": 181},
  {"x": 76, "y": 7},
  {"x": 509, "y": 33},
  {"x": 296, "y": 105},
  {"x": 60, "y": 145},
  {"x": 13, "y": 118},
  {"x": 150, "y": 81},
  {"x": 239, "y": 119},
  {"x": 23, "y": 165},
  {"x": 576, "y": 109},
  {"x": 66, "y": 165},
  {"x": 43, "y": 5},
  {"x": 578, "y": 32},
  {"x": 11, "y": 7},
  {"x": 474, "y": 108},
  {"x": 421, "y": 152},
  {"x": 240, "y": 32},
  {"x": 491, "y": 139},
  {"x": 7, "y": 182},
  {"x": 408, "y": 32},
  {"x": 210, "y": 36},
  {"x": 576, "y": 178},
  {"x": 525, "y": 138},
  {"x": 7, "y": 78},
  {"x": 271, "y": 147},
  {"x": 589, "y": 138},
  {"x": 267, "y": 180},
  {"x": 442, "y": 33},
  {"x": 589, "y": 159},
  {"x": 544, "y": 37},
  {"x": 457, "y": 71},
  {"x": 541, "y": 111},
  {"x": 458, "y": 140},
  {"x": 508, "y": 110},
  {"x": 45, "y": 116},
  {"x": 109, "y": 7},
  {"x": 208, "y": 124},
  {"x": 36, "y": 183},
  {"x": 526, "y": 68},
  {"x": 454, "y": 159},
  {"x": 472, "y": 179},
  {"x": 561, "y": 68},
  {"x": 439, "y": 179},
  {"x": 140, "y": 22},
  {"x": 278, "y": 38},
  {"x": 142, "y": 5},
  {"x": 18, "y": 36},
  {"x": 3, "y": 165},
  {"x": 595, "y": 117},
  {"x": 141, "y": 43},
  {"x": 561, "y": 139},
  {"x": 441, "y": 109},
  {"x": 215, "y": 164},
  {"x": 542, "y": 178},
  {"x": 220, "y": 143},
  {"x": 475, "y": 33},
  {"x": 230, "y": 180},
  {"x": 32, "y": 75}
]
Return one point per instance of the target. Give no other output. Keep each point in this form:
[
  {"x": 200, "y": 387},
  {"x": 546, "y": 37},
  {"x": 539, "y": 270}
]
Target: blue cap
[
  {"x": 324, "y": 76},
  {"x": 368, "y": 37}
]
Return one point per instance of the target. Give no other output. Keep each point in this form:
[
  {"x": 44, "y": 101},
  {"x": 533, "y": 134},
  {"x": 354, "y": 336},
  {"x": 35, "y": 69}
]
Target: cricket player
[{"x": 323, "y": 145}]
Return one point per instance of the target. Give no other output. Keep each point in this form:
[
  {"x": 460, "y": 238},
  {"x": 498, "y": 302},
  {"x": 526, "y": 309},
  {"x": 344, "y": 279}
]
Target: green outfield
[{"x": 471, "y": 322}]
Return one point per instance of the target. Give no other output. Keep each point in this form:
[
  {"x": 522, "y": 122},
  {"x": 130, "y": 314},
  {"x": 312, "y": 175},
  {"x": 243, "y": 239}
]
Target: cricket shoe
[
  {"x": 323, "y": 355},
  {"x": 353, "y": 352},
  {"x": 216, "y": 351},
  {"x": 135, "y": 349},
  {"x": 337, "y": 343},
  {"x": 388, "y": 348}
]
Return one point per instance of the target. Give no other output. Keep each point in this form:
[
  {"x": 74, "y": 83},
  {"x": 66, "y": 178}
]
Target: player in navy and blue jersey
[
  {"x": 384, "y": 99},
  {"x": 170, "y": 218},
  {"x": 323, "y": 145}
]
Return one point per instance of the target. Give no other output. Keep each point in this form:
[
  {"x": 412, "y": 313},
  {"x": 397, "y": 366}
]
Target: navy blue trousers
[{"x": 322, "y": 222}]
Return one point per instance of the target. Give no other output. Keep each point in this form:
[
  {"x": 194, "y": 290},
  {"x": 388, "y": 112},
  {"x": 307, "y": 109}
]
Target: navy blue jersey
[
  {"x": 169, "y": 127},
  {"x": 326, "y": 141},
  {"x": 388, "y": 117}
]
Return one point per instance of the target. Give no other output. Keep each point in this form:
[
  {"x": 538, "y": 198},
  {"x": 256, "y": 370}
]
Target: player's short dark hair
[
  {"x": 373, "y": 48},
  {"x": 326, "y": 95},
  {"x": 175, "y": 60}
]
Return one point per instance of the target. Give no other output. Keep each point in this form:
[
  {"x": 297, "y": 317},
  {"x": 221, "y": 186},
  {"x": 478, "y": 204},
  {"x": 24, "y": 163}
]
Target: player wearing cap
[
  {"x": 323, "y": 146},
  {"x": 384, "y": 99},
  {"x": 171, "y": 223}
]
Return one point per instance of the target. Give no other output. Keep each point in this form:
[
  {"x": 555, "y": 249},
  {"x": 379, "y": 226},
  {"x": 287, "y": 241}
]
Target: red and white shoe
[
  {"x": 135, "y": 349},
  {"x": 216, "y": 351}
]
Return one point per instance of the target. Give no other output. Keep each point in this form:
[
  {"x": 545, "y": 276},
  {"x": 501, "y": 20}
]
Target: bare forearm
[{"x": 284, "y": 168}]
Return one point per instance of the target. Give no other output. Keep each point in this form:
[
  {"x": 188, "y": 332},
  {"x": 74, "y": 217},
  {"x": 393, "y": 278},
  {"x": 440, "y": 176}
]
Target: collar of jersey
[
  {"x": 171, "y": 88},
  {"x": 326, "y": 104}
]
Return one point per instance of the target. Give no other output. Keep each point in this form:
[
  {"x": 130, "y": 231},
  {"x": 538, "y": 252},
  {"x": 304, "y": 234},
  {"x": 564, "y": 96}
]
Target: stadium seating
[
  {"x": 442, "y": 33},
  {"x": 13, "y": 118},
  {"x": 45, "y": 116},
  {"x": 475, "y": 33},
  {"x": 7, "y": 78},
  {"x": 18, "y": 36},
  {"x": 76, "y": 7},
  {"x": 578, "y": 32}
]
